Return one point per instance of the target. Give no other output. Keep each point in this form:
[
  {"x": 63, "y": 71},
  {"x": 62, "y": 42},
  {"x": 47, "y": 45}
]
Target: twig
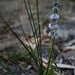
[{"x": 59, "y": 65}]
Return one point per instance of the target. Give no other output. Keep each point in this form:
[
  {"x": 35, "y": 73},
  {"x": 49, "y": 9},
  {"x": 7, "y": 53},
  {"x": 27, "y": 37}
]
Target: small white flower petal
[
  {"x": 54, "y": 16},
  {"x": 51, "y": 34},
  {"x": 55, "y": 26},
  {"x": 50, "y": 26},
  {"x": 57, "y": 16}
]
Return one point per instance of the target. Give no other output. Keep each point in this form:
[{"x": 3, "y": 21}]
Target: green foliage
[{"x": 15, "y": 56}]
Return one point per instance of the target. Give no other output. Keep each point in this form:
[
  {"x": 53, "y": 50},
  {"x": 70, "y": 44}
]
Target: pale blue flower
[
  {"x": 52, "y": 34},
  {"x": 52, "y": 26},
  {"x": 54, "y": 17}
]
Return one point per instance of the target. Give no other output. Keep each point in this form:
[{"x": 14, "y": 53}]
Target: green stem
[
  {"x": 30, "y": 20},
  {"x": 40, "y": 50},
  {"x": 49, "y": 62},
  {"x": 26, "y": 39}
]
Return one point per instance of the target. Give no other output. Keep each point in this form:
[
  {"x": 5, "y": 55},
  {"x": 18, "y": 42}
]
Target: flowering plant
[
  {"x": 37, "y": 37},
  {"x": 53, "y": 27}
]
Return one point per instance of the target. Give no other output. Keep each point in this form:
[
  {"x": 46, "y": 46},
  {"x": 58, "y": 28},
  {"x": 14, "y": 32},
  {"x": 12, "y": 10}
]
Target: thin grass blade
[
  {"x": 30, "y": 20},
  {"x": 39, "y": 49},
  {"x": 25, "y": 35},
  {"x": 19, "y": 40}
]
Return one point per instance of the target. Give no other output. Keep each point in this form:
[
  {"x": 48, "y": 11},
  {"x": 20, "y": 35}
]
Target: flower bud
[
  {"x": 54, "y": 18},
  {"x": 52, "y": 34},
  {"x": 52, "y": 26},
  {"x": 55, "y": 10},
  {"x": 56, "y": 3}
]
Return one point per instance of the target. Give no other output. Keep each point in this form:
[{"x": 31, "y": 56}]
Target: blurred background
[{"x": 14, "y": 11}]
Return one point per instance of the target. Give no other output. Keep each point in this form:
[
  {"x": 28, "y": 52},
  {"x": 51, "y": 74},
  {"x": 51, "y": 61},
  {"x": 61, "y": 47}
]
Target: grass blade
[
  {"x": 25, "y": 35},
  {"x": 39, "y": 49},
  {"x": 46, "y": 16},
  {"x": 6, "y": 68},
  {"x": 19, "y": 40},
  {"x": 30, "y": 20},
  {"x": 21, "y": 69}
]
